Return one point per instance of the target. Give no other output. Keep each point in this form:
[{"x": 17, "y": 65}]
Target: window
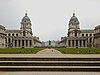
[
  {"x": 76, "y": 42},
  {"x": 82, "y": 34},
  {"x": 19, "y": 43},
  {"x": 73, "y": 43},
  {"x": 16, "y": 34},
  {"x": 26, "y": 43},
  {"x": 30, "y": 43},
  {"x": 90, "y": 34},
  {"x": 80, "y": 43},
  {"x": 24, "y": 33},
  {"x": 90, "y": 40},
  {"x": 84, "y": 43},
  {"x": 12, "y": 34},
  {"x": 69, "y": 42},
  {"x": 75, "y": 33},
  {"x": 15, "y": 43},
  {"x": 8, "y": 34},
  {"x": 86, "y": 34}
]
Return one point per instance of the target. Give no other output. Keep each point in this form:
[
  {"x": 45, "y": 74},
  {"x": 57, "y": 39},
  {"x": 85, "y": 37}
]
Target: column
[
  {"x": 75, "y": 43},
  {"x": 7, "y": 42},
  {"x": 78, "y": 43},
  {"x": 32, "y": 43},
  {"x": 67, "y": 43},
  {"x": 13, "y": 43},
  {"x": 21, "y": 43},
  {"x": 85, "y": 43}
]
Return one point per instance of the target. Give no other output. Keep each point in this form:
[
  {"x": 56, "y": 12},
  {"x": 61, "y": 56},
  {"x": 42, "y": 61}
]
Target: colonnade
[{"x": 76, "y": 43}]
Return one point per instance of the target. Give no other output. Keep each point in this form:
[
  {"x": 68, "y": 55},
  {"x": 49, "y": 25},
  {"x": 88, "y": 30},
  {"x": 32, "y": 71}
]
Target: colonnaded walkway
[{"x": 49, "y": 51}]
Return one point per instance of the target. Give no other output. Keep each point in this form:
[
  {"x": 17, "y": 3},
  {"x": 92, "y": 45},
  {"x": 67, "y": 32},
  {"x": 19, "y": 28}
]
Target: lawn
[
  {"x": 78, "y": 50},
  {"x": 20, "y": 50}
]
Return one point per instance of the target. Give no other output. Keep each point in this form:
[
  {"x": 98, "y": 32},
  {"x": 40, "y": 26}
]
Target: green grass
[
  {"x": 78, "y": 50},
  {"x": 20, "y": 50}
]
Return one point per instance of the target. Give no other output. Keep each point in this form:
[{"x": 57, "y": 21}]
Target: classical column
[
  {"x": 32, "y": 43},
  {"x": 7, "y": 42},
  {"x": 78, "y": 43},
  {"x": 13, "y": 43},
  {"x": 74, "y": 43},
  {"x": 67, "y": 43},
  {"x": 21, "y": 43},
  {"x": 85, "y": 43}
]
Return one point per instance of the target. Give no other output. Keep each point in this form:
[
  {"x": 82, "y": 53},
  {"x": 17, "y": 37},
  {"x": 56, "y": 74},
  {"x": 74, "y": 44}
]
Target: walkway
[{"x": 49, "y": 51}]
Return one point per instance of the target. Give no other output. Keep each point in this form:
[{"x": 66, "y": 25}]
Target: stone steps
[{"x": 49, "y": 64}]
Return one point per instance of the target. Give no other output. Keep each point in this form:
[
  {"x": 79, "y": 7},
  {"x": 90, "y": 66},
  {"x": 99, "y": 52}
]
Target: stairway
[{"x": 50, "y": 64}]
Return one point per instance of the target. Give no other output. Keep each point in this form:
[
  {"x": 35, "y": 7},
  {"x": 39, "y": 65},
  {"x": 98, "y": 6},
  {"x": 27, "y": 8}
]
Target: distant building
[
  {"x": 53, "y": 44},
  {"x": 77, "y": 38},
  {"x": 22, "y": 38},
  {"x": 97, "y": 37}
]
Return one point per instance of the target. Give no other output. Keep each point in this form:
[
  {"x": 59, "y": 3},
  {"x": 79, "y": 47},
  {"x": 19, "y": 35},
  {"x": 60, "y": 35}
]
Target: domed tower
[
  {"x": 25, "y": 28},
  {"x": 73, "y": 26}
]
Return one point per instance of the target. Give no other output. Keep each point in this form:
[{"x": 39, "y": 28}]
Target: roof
[
  {"x": 25, "y": 18},
  {"x": 73, "y": 19},
  {"x": 12, "y": 31},
  {"x": 97, "y": 27},
  {"x": 87, "y": 31},
  {"x": 2, "y": 27}
]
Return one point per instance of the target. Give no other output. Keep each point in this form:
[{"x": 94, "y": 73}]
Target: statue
[
  {"x": 49, "y": 42},
  {"x": 49, "y": 46}
]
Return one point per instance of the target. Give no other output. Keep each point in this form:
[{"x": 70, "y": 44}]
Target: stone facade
[
  {"x": 97, "y": 37},
  {"x": 22, "y": 38},
  {"x": 2, "y": 36},
  {"x": 78, "y": 38}
]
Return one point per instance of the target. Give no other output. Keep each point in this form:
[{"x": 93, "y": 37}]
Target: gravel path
[{"x": 49, "y": 51}]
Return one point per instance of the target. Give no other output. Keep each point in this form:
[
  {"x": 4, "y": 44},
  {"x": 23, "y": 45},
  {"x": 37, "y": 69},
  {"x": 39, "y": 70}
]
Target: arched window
[
  {"x": 23, "y": 33},
  {"x": 8, "y": 40},
  {"x": 8, "y": 34},
  {"x": 12, "y": 34},
  {"x": 16, "y": 34},
  {"x": 69, "y": 42},
  {"x": 73, "y": 43},
  {"x": 75, "y": 33}
]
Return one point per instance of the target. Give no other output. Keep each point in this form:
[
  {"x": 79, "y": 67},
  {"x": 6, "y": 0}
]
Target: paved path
[
  {"x": 52, "y": 55},
  {"x": 49, "y": 51},
  {"x": 49, "y": 73}
]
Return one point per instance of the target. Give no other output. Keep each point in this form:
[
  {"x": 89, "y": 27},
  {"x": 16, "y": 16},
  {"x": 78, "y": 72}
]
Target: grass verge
[
  {"x": 78, "y": 50},
  {"x": 20, "y": 50}
]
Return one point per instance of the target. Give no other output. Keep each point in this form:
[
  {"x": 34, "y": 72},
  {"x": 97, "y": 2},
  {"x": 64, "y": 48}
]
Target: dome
[
  {"x": 74, "y": 19},
  {"x": 25, "y": 18}
]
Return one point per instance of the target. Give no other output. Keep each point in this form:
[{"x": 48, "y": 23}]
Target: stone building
[
  {"x": 77, "y": 38},
  {"x": 97, "y": 37},
  {"x": 2, "y": 36},
  {"x": 22, "y": 38}
]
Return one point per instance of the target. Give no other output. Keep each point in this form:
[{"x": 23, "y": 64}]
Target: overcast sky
[{"x": 49, "y": 17}]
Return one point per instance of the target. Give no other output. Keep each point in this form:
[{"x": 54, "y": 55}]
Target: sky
[{"x": 50, "y": 18}]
